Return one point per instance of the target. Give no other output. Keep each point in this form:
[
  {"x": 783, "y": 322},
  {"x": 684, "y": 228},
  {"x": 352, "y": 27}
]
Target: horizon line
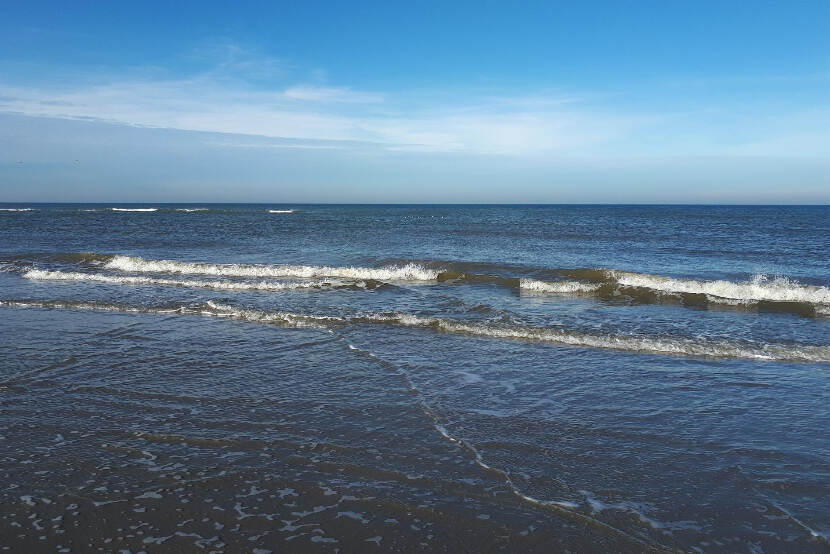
[{"x": 285, "y": 203}]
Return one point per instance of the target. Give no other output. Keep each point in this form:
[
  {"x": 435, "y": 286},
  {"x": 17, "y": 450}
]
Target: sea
[{"x": 414, "y": 378}]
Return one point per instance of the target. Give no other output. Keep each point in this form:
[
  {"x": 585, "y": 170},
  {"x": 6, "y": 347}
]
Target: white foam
[
  {"x": 191, "y": 209},
  {"x": 409, "y": 272},
  {"x": 134, "y": 209},
  {"x": 41, "y": 275},
  {"x": 631, "y": 343},
  {"x": 281, "y": 211},
  {"x": 760, "y": 287},
  {"x": 561, "y": 287},
  {"x": 16, "y": 209}
]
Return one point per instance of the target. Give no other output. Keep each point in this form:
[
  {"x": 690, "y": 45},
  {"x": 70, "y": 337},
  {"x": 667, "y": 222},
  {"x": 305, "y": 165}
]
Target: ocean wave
[
  {"x": 691, "y": 347},
  {"x": 758, "y": 288},
  {"x": 409, "y": 272},
  {"x": 192, "y": 209},
  {"x": 610, "y": 283},
  {"x": 558, "y": 287},
  {"x": 282, "y": 211},
  {"x": 134, "y": 209},
  {"x": 41, "y": 275},
  {"x": 16, "y": 209},
  {"x": 759, "y": 293},
  {"x": 632, "y": 343}
]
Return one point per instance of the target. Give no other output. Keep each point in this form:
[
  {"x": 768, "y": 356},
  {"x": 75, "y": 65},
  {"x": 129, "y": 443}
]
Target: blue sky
[{"x": 416, "y": 102}]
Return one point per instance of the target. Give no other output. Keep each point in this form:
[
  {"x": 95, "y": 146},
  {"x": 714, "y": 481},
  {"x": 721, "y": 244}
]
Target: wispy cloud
[
  {"x": 247, "y": 94},
  {"x": 310, "y": 93}
]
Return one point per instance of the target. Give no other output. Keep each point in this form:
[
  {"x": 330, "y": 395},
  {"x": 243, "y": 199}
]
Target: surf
[
  {"x": 644, "y": 344},
  {"x": 408, "y": 272}
]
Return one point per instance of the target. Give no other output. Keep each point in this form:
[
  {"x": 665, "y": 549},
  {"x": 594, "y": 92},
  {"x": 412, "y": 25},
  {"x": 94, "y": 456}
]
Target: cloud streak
[{"x": 228, "y": 98}]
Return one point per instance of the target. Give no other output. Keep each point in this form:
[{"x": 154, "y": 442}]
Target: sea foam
[
  {"x": 558, "y": 287},
  {"x": 41, "y": 275},
  {"x": 759, "y": 287},
  {"x": 409, "y": 272},
  {"x": 695, "y": 347}
]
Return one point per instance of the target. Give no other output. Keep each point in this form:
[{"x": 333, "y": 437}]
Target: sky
[{"x": 422, "y": 102}]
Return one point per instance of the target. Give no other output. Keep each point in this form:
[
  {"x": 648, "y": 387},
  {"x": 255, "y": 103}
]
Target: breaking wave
[
  {"x": 409, "y": 272},
  {"x": 282, "y": 211},
  {"x": 759, "y": 293},
  {"x": 16, "y": 209},
  {"x": 759, "y": 287},
  {"x": 559, "y": 287},
  {"x": 41, "y": 275},
  {"x": 650, "y": 344},
  {"x": 134, "y": 209}
]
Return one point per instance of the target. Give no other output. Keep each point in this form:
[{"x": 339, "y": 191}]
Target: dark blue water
[{"x": 523, "y": 378}]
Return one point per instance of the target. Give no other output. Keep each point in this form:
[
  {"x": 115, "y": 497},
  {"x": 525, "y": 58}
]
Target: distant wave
[
  {"x": 40, "y": 275},
  {"x": 16, "y": 209},
  {"x": 282, "y": 211},
  {"x": 134, "y": 209},
  {"x": 410, "y": 272},
  {"x": 695, "y": 347},
  {"x": 192, "y": 209}
]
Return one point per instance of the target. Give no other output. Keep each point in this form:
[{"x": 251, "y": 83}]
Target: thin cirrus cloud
[
  {"x": 235, "y": 95},
  {"x": 230, "y": 97},
  {"x": 330, "y": 94},
  {"x": 483, "y": 126}
]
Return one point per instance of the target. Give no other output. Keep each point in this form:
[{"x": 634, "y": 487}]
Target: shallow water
[{"x": 534, "y": 378}]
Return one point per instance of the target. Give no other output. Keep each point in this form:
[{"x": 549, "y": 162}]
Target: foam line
[
  {"x": 40, "y": 275},
  {"x": 559, "y": 287},
  {"x": 759, "y": 287},
  {"x": 694, "y": 347},
  {"x": 409, "y": 272}
]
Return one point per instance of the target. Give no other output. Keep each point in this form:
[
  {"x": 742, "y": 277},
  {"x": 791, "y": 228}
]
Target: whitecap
[
  {"x": 41, "y": 275},
  {"x": 408, "y": 272},
  {"x": 758, "y": 288},
  {"x": 690, "y": 346},
  {"x": 560, "y": 287}
]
